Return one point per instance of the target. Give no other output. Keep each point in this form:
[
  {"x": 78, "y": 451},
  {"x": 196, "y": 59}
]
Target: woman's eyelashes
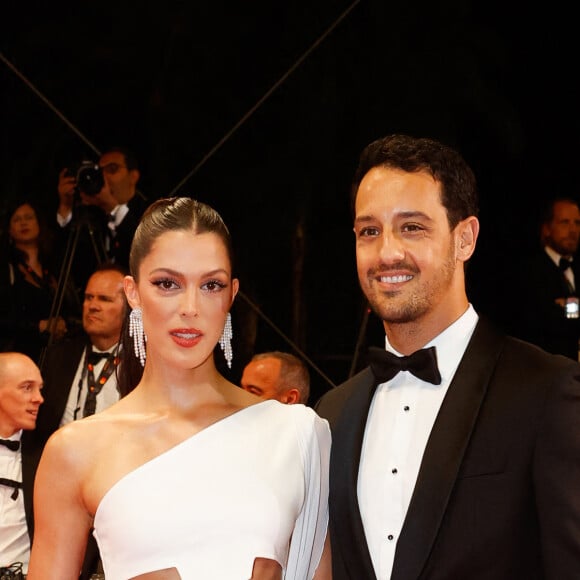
[
  {"x": 168, "y": 284},
  {"x": 214, "y": 285}
]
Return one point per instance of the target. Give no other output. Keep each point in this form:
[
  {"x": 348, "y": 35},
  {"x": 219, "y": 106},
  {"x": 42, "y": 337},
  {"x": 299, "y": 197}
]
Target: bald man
[
  {"x": 20, "y": 399},
  {"x": 277, "y": 375}
]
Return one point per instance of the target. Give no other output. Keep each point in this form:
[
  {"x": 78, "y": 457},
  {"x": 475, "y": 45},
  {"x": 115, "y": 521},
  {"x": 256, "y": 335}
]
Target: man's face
[
  {"x": 260, "y": 377},
  {"x": 20, "y": 393},
  {"x": 104, "y": 307},
  {"x": 121, "y": 181},
  {"x": 405, "y": 251},
  {"x": 562, "y": 233}
]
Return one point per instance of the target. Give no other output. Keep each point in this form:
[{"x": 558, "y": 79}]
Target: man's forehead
[
  {"x": 17, "y": 369},
  {"x": 112, "y": 157}
]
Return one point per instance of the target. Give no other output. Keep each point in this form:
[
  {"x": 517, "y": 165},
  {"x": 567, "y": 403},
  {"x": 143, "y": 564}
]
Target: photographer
[{"x": 103, "y": 200}]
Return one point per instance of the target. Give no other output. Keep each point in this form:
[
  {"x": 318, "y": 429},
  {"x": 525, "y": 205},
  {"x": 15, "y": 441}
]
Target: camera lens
[{"x": 90, "y": 178}]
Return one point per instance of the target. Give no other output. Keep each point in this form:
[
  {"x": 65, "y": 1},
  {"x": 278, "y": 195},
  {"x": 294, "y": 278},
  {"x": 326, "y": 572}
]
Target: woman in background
[
  {"x": 28, "y": 284},
  {"x": 188, "y": 476}
]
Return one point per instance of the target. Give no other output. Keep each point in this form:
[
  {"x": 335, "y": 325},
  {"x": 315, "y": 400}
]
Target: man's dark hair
[
  {"x": 130, "y": 158},
  {"x": 548, "y": 212},
  {"x": 411, "y": 154}
]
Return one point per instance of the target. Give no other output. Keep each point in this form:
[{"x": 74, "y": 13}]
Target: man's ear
[
  {"x": 130, "y": 288},
  {"x": 466, "y": 236},
  {"x": 135, "y": 175},
  {"x": 290, "y": 397}
]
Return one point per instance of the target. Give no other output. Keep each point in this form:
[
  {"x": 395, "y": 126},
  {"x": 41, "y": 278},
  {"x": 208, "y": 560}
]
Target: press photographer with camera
[{"x": 102, "y": 200}]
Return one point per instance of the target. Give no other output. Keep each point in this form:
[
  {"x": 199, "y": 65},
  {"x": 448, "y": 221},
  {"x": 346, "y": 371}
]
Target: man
[
  {"x": 277, "y": 375},
  {"x": 20, "y": 399},
  {"x": 461, "y": 462},
  {"x": 110, "y": 215},
  {"x": 544, "y": 309},
  {"x": 80, "y": 376}
]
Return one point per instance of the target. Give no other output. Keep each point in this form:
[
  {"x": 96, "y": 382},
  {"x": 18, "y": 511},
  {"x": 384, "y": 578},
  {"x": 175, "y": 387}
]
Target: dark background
[{"x": 261, "y": 109}]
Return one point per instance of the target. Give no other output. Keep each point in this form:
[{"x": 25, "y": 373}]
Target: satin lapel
[
  {"x": 444, "y": 452},
  {"x": 347, "y": 437}
]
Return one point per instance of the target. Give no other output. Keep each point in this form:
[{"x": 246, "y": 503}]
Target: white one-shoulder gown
[{"x": 254, "y": 484}]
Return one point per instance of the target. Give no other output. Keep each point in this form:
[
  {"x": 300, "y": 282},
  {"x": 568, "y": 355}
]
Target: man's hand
[
  {"x": 66, "y": 192},
  {"x": 57, "y": 327}
]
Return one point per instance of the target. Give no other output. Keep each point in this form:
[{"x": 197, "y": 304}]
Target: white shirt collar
[{"x": 555, "y": 257}]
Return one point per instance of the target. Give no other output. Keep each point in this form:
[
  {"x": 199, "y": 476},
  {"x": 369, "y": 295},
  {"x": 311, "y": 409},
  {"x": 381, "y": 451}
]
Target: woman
[
  {"x": 187, "y": 476},
  {"x": 28, "y": 284}
]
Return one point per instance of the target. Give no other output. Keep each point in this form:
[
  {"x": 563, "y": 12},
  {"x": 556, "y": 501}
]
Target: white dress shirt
[
  {"x": 401, "y": 416},
  {"x": 14, "y": 538},
  {"x": 108, "y": 395}
]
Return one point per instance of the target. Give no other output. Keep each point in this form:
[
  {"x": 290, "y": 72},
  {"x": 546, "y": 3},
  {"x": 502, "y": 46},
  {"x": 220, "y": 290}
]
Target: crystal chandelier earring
[
  {"x": 138, "y": 335},
  {"x": 226, "y": 340}
]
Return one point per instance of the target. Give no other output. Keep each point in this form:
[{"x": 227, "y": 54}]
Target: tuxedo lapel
[
  {"x": 445, "y": 450},
  {"x": 348, "y": 436}
]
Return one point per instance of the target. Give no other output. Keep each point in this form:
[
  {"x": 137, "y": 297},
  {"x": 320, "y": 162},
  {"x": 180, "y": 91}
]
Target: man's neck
[
  {"x": 408, "y": 337},
  {"x": 103, "y": 343}
]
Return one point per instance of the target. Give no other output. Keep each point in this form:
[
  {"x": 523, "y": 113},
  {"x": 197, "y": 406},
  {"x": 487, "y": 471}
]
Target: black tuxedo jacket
[
  {"x": 59, "y": 367},
  {"x": 535, "y": 316},
  {"x": 498, "y": 492},
  {"x": 30, "y": 452},
  {"x": 120, "y": 245},
  {"x": 58, "y": 371}
]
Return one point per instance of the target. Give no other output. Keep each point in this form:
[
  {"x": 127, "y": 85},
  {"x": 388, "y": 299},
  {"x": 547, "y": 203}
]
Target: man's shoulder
[
  {"x": 138, "y": 204},
  {"x": 65, "y": 352},
  {"x": 334, "y": 400}
]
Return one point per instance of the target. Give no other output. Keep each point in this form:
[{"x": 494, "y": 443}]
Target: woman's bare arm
[{"x": 62, "y": 522}]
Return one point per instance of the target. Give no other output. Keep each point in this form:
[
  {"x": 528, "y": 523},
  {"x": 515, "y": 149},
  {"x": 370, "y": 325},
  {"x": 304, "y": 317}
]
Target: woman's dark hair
[
  {"x": 172, "y": 214},
  {"x": 162, "y": 216},
  {"x": 45, "y": 237}
]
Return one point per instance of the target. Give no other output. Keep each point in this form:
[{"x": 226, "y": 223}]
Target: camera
[
  {"x": 12, "y": 572},
  {"x": 89, "y": 177},
  {"x": 572, "y": 307}
]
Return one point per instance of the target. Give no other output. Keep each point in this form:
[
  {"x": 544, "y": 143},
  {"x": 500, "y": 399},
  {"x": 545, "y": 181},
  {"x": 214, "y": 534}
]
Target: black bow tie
[
  {"x": 10, "y": 443},
  {"x": 423, "y": 364},
  {"x": 95, "y": 357},
  {"x": 564, "y": 264}
]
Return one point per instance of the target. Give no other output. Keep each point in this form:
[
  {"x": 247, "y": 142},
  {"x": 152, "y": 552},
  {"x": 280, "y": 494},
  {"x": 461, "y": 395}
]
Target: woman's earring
[
  {"x": 138, "y": 335},
  {"x": 226, "y": 340}
]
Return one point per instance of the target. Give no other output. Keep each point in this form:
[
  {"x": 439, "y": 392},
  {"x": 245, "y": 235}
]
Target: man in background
[
  {"x": 80, "y": 376},
  {"x": 542, "y": 306},
  {"x": 107, "y": 217},
  {"x": 20, "y": 399},
  {"x": 277, "y": 375}
]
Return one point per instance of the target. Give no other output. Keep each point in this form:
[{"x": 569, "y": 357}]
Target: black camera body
[
  {"x": 89, "y": 177},
  {"x": 12, "y": 572}
]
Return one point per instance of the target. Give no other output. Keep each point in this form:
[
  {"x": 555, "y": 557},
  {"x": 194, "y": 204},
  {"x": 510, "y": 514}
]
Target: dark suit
[
  {"x": 120, "y": 244},
  {"x": 58, "y": 371},
  {"x": 532, "y": 311},
  {"x": 30, "y": 452},
  {"x": 497, "y": 495}
]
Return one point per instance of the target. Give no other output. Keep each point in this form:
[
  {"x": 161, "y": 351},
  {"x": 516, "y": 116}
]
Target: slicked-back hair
[{"x": 175, "y": 214}]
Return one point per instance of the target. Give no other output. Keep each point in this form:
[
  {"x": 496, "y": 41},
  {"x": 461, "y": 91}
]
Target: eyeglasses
[{"x": 112, "y": 168}]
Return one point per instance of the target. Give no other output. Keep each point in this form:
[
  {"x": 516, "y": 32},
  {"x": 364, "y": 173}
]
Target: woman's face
[
  {"x": 24, "y": 226},
  {"x": 185, "y": 291}
]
